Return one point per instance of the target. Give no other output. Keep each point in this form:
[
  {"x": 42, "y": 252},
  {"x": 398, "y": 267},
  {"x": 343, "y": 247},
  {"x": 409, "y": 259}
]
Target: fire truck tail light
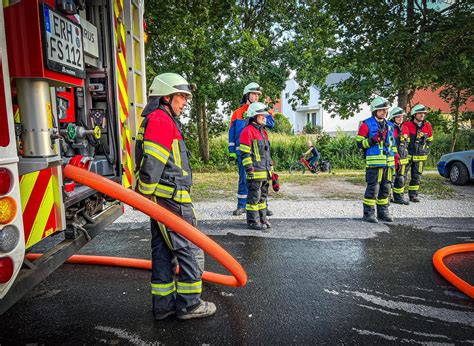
[
  {"x": 9, "y": 237},
  {"x": 6, "y": 269},
  {"x": 8, "y": 210},
  {"x": 6, "y": 181}
]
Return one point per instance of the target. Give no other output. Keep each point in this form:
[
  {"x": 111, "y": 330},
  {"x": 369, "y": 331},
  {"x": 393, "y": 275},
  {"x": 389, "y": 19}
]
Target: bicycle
[{"x": 303, "y": 165}]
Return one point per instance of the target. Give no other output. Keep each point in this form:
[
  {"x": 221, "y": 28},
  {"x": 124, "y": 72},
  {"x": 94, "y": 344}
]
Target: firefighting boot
[
  {"x": 256, "y": 226},
  {"x": 413, "y": 197},
  {"x": 398, "y": 199},
  {"x": 383, "y": 214},
  {"x": 205, "y": 309},
  {"x": 253, "y": 220},
  {"x": 162, "y": 316},
  {"x": 238, "y": 211},
  {"x": 370, "y": 217},
  {"x": 369, "y": 214}
]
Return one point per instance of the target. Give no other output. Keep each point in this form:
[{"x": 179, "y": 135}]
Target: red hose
[
  {"x": 438, "y": 257},
  {"x": 116, "y": 191}
]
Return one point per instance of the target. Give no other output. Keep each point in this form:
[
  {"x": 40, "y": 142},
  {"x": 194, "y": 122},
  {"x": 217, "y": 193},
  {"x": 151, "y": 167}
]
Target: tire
[
  {"x": 297, "y": 168},
  {"x": 458, "y": 174}
]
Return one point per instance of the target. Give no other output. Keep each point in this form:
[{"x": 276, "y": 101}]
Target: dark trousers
[
  {"x": 379, "y": 184},
  {"x": 257, "y": 201},
  {"x": 242, "y": 187},
  {"x": 399, "y": 183},
  {"x": 416, "y": 170},
  {"x": 180, "y": 292},
  {"x": 313, "y": 160}
]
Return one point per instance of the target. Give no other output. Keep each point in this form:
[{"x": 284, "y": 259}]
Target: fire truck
[{"x": 72, "y": 88}]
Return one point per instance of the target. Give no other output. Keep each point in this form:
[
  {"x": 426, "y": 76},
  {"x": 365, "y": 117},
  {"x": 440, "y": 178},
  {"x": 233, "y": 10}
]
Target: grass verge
[
  {"x": 431, "y": 184},
  {"x": 223, "y": 185}
]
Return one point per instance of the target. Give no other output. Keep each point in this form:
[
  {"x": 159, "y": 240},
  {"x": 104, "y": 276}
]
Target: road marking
[{"x": 123, "y": 334}]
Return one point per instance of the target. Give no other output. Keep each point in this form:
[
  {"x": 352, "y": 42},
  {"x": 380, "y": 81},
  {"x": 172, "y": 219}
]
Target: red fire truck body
[{"x": 72, "y": 88}]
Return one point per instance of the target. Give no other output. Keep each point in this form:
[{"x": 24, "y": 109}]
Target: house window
[
  {"x": 287, "y": 95},
  {"x": 313, "y": 118}
]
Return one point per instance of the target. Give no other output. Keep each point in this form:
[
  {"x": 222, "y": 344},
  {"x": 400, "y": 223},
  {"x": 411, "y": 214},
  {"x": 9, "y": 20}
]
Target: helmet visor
[
  {"x": 421, "y": 110},
  {"x": 187, "y": 88},
  {"x": 255, "y": 90},
  {"x": 262, "y": 111},
  {"x": 382, "y": 105}
]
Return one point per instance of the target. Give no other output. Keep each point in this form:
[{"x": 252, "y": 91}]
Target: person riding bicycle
[{"x": 315, "y": 156}]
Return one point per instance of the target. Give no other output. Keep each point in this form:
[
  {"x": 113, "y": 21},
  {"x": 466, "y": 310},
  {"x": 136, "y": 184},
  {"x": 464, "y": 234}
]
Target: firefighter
[
  {"x": 164, "y": 175},
  {"x": 376, "y": 138},
  {"x": 255, "y": 156},
  {"x": 420, "y": 136},
  {"x": 238, "y": 121},
  {"x": 401, "y": 157}
]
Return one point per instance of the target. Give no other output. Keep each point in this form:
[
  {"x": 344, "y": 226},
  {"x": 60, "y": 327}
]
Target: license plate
[{"x": 64, "y": 50}]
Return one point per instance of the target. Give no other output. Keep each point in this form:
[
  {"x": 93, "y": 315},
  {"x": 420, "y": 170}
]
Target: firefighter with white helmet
[
  {"x": 251, "y": 94},
  {"x": 420, "y": 135},
  {"x": 376, "y": 138},
  {"x": 257, "y": 162},
  {"x": 164, "y": 175},
  {"x": 396, "y": 116}
]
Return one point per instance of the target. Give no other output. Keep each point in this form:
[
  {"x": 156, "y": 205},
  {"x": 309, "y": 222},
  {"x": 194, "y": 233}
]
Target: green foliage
[
  {"x": 221, "y": 46},
  {"x": 341, "y": 150},
  {"x": 310, "y": 129},
  {"x": 390, "y": 48},
  {"x": 442, "y": 144},
  {"x": 282, "y": 124},
  {"x": 438, "y": 121}
]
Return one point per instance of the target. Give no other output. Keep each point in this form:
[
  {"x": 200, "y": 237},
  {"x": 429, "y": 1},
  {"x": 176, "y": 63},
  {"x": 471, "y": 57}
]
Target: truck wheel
[{"x": 458, "y": 174}]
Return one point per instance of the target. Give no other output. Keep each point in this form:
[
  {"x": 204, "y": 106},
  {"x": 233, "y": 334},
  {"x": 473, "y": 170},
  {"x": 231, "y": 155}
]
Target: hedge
[{"x": 340, "y": 150}]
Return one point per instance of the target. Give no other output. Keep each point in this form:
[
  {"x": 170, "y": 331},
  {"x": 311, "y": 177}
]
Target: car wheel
[{"x": 458, "y": 174}]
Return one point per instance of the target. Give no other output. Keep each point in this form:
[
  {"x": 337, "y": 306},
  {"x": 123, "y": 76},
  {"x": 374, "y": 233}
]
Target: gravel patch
[{"x": 319, "y": 209}]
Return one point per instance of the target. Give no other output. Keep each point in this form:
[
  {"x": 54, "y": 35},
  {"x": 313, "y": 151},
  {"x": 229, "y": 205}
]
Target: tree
[
  {"x": 219, "y": 45},
  {"x": 390, "y": 48},
  {"x": 454, "y": 49},
  {"x": 190, "y": 38},
  {"x": 282, "y": 124}
]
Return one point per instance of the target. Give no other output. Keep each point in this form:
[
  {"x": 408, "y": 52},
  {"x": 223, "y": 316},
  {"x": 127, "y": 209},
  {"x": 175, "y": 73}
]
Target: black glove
[
  {"x": 249, "y": 173},
  {"x": 374, "y": 140},
  {"x": 422, "y": 140}
]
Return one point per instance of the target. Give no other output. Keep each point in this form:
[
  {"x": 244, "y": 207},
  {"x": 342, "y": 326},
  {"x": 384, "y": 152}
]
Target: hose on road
[
  {"x": 456, "y": 281},
  {"x": 174, "y": 222}
]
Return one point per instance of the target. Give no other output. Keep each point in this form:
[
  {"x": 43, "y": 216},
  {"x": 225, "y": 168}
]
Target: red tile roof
[{"x": 431, "y": 99}]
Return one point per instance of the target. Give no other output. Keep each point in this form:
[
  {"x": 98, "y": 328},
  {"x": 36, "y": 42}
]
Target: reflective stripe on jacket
[
  {"x": 255, "y": 151},
  {"x": 401, "y": 136},
  {"x": 380, "y": 154},
  {"x": 164, "y": 169},
  {"x": 237, "y": 125},
  {"x": 420, "y": 139}
]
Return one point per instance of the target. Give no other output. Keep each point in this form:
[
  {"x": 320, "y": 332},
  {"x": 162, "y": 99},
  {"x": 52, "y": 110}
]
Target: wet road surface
[{"x": 330, "y": 281}]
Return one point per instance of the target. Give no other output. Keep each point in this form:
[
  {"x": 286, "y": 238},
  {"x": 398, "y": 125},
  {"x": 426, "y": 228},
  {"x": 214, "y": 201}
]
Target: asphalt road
[{"x": 310, "y": 281}]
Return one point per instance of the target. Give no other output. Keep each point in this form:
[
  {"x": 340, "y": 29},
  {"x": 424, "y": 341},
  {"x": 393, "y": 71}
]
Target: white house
[{"x": 313, "y": 112}]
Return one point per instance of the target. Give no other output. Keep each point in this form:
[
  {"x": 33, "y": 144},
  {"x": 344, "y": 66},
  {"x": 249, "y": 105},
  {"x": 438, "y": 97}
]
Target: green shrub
[
  {"x": 282, "y": 124},
  {"x": 442, "y": 144},
  {"x": 341, "y": 150}
]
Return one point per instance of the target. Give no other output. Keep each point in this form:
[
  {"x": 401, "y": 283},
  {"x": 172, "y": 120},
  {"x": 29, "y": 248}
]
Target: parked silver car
[{"x": 458, "y": 166}]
